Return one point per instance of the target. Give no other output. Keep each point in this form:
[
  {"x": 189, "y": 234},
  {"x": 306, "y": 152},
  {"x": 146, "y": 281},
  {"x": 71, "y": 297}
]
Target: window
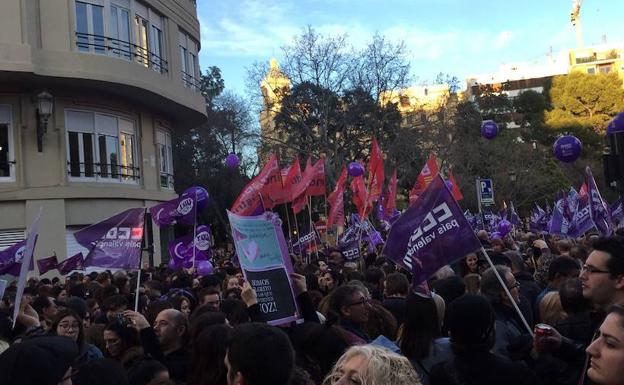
[
  {"x": 10, "y": 237},
  {"x": 6, "y": 145},
  {"x": 605, "y": 69},
  {"x": 188, "y": 61},
  {"x": 100, "y": 147},
  {"x": 90, "y": 28},
  {"x": 591, "y": 70},
  {"x": 165, "y": 158},
  {"x": 125, "y": 29}
]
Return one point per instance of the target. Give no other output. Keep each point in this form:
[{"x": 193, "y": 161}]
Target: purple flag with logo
[
  {"x": 181, "y": 249},
  {"x": 514, "y": 218},
  {"x": 582, "y": 222},
  {"x": 350, "y": 250},
  {"x": 183, "y": 209},
  {"x": 72, "y": 263},
  {"x": 559, "y": 222},
  {"x": 47, "y": 264},
  {"x": 307, "y": 242},
  {"x": 598, "y": 209},
  {"x": 431, "y": 233},
  {"x": 114, "y": 242},
  {"x": 11, "y": 259}
]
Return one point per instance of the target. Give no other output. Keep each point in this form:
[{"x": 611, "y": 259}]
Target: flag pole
[
  {"x": 326, "y": 217},
  {"x": 289, "y": 228},
  {"x": 506, "y": 289},
  {"x": 144, "y": 247},
  {"x": 312, "y": 227},
  {"x": 194, "y": 227}
]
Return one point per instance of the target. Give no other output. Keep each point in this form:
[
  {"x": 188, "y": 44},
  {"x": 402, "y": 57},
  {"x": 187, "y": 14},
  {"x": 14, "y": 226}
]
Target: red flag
[
  {"x": 583, "y": 190},
  {"x": 249, "y": 198},
  {"x": 455, "y": 191},
  {"x": 390, "y": 203},
  {"x": 424, "y": 178},
  {"x": 291, "y": 181},
  {"x": 317, "y": 184},
  {"x": 301, "y": 200},
  {"x": 375, "y": 173},
  {"x": 336, "y": 201},
  {"x": 359, "y": 197}
]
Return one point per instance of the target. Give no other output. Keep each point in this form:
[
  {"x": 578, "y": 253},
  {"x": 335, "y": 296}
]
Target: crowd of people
[{"x": 361, "y": 322}]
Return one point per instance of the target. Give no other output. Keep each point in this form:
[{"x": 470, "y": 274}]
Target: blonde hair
[
  {"x": 382, "y": 367},
  {"x": 550, "y": 309}
]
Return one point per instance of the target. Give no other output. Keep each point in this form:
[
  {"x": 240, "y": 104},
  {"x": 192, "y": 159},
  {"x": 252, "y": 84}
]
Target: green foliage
[{"x": 585, "y": 100}]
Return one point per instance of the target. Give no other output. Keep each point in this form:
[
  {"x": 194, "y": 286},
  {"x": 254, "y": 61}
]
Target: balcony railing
[
  {"x": 191, "y": 81},
  {"x": 103, "y": 171},
  {"x": 105, "y": 45},
  {"x": 166, "y": 180}
]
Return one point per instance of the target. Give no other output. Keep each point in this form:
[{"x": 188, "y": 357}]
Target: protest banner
[{"x": 263, "y": 257}]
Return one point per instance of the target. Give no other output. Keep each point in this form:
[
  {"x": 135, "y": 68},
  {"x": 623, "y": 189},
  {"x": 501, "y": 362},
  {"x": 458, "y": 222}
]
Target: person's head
[
  {"x": 396, "y": 285},
  {"x": 210, "y": 297},
  {"x": 607, "y": 351},
  {"x": 171, "y": 328},
  {"x": 182, "y": 304},
  {"x": 46, "y": 307},
  {"x": 498, "y": 246},
  {"x": 231, "y": 283},
  {"x": 207, "y": 355},
  {"x": 550, "y": 309},
  {"x": 571, "y": 296},
  {"x": 235, "y": 311},
  {"x": 198, "y": 323},
  {"x": 483, "y": 235},
  {"x": 329, "y": 280},
  {"x": 155, "y": 307},
  {"x": 491, "y": 287},
  {"x": 420, "y": 328},
  {"x": 470, "y": 322},
  {"x": 374, "y": 276},
  {"x": 473, "y": 283},
  {"x": 148, "y": 371},
  {"x": 470, "y": 264},
  {"x": 249, "y": 343},
  {"x": 45, "y": 360},
  {"x": 350, "y": 303},
  {"x": 68, "y": 323},
  {"x": 101, "y": 372},
  {"x": 564, "y": 246},
  {"x": 118, "y": 338},
  {"x": 336, "y": 258},
  {"x": 372, "y": 365},
  {"x": 560, "y": 270},
  {"x": 602, "y": 276},
  {"x": 115, "y": 305}
]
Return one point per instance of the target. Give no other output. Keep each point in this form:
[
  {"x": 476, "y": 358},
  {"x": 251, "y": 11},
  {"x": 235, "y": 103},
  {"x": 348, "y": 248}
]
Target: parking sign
[{"x": 485, "y": 191}]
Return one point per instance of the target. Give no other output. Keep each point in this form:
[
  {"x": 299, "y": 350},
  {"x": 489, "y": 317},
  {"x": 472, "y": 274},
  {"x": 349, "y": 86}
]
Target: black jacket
[
  {"x": 396, "y": 306},
  {"x": 528, "y": 287}
]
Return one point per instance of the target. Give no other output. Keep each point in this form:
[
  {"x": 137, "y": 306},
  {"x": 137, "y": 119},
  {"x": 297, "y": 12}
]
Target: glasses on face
[
  {"x": 593, "y": 270},
  {"x": 68, "y": 326}
]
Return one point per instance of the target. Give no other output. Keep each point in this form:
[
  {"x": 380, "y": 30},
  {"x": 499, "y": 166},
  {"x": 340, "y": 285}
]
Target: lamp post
[
  {"x": 513, "y": 178},
  {"x": 45, "y": 104}
]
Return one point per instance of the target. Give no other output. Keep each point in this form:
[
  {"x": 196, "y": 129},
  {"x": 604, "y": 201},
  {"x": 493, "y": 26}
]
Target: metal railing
[
  {"x": 105, "y": 171},
  {"x": 166, "y": 180},
  {"x": 191, "y": 81},
  {"x": 109, "y": 46}
]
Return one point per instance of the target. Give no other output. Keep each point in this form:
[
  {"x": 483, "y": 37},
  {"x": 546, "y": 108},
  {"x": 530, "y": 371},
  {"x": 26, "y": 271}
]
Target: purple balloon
[
  {"x": 449, "y": 185},
  {"x": 617, "y": 124},
  {"x": 489, "y": 129},
  {"x": 567, "y": 148},
  {"x": 204, "y": 268},
  {"x": 232, "y": 160},
  {"x": 355, "y": 169},
  {"x": 504, "y": 227},
  {"x": 202, "y": 196}
]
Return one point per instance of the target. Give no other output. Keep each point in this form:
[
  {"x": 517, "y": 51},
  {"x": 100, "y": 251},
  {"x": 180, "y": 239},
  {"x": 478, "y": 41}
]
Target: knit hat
[{"x": 470, "y": 321}]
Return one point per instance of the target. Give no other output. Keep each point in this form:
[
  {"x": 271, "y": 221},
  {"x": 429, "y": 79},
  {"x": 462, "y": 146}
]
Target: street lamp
[
  {"x": 513, "y": 178},
  {"x": 45, "y": 104}
]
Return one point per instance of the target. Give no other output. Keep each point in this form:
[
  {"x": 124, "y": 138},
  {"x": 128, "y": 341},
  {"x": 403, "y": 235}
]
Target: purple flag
[
  {"x": 582, "y": 222},
  {"x": 559, "y": 222},
  {"x": 431, "y": 233},
  {"x": 617, "y": 212},
  {"x": 597, "y": 206},
  {"x": 181, "y": 249},
  {"x": 11, "y": 259},
  {"x": 72, "y": 263},
  {"x": 514, "y": 218},
  {"x": 307, "y": 242},
  {"x": 183, "y": 209},
  {"x": 114, "y": 242},
  {"x": 47, "y": 264},
  {"x": 351, "y": 250}
]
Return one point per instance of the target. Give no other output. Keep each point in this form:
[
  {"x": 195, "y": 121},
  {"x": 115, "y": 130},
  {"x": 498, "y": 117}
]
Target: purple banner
[
  {"x": 582, "y": 221},
  {"x": 514, "y": 218},
  {"x": 181, "y": 250},
  {"x": 558, "y": 222},
  {"x": 72, "y": 263},
  {"x": 597, "y": 206},
  {"x": 431, "y": 233},
  {"x": 47, "y": 264},
  {"x": 617, "y": 212},
  {"x": 183, "y": 209},
  {"x": 115, "y": 242},
  {"x": 306, "y": 243},
  {"x": 11, "y": 259},
  {"x": 351, "y": 250}
]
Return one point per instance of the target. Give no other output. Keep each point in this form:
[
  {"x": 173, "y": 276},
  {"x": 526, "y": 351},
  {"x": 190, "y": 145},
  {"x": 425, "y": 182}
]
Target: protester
[
  {"x": 607, "y": 351},
  {"x": 372, "y": 365},
  {"x": 69, "y": 324},
  {"x": 349, "y": 309},
  {"x": 396, "y": 288},
  {"x": 206, "y": 366}
]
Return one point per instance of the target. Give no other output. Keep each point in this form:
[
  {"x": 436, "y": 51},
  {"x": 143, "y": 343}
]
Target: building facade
[
  {"x": 598, "y": 59},
  {"x": 90, "y": 94}
]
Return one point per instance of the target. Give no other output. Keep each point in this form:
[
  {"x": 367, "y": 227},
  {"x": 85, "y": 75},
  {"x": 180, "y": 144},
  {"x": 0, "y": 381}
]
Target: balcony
[
  {"x": 103, "y": 45},
  {"x": 103, "y": 172}
]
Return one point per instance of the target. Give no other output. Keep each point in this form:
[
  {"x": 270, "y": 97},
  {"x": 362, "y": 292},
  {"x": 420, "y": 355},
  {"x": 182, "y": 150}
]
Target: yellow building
[
  {"x": 90, "y": 94},
  {"x": 597, "y": 59},
  {"x": 274, "y": 87},
  {"x": 416, "y": 99}
]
